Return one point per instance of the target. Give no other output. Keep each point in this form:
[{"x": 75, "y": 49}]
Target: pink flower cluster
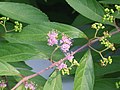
[
  {"x": 65, "y": 43},
  {"x": 29, "y": 86},
  {"x": 69, "y": 56},
  {"x": 52, "y": 38},
  {"x": 2, "y": 84},
  {"x": 62, "y": 66}
]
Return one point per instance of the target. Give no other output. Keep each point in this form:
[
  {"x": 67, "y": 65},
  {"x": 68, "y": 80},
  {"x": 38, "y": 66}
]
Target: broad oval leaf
[
  {"x": 36, "y": 35},
  {"x": 16, "y": 52},
  {"x": 106, "y": 84},
  {"x": 84, "y": 76},
  {"x": 22, "y": 12},
  {"x": 7, "y": 69},
  {"x": 88, "y": 8},
  {"x": 21, "y": 65},
  {"x": 110, "y": 1},
  {"x": 80, "y": 21},
  {"x": 38, "y": 32},
  {"x": 54, "y": 82}
]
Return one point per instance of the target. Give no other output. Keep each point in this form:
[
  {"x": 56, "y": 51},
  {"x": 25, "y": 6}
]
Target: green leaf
[
  {"x": 20, "y": 64},
  {"x": 84, "y": 76},
  {"x": 31, "y": 2},
  {"x": 114, "y": 67},
  {"x": 39, "y": 80},
  {"x": 105, "y": 84},
  {"x": 80, "y": 21},
  {"x": 38, "y": 32},
  {"x": 16, "y": 52},
  {"x": 36, "y": 35},
  {"x": 22, "y": 12},
  {"x": 54, "y": 82},
  {"x": 114, "y": 38},
  {"x": 110, "y": 1},
  {"x": 45, "y": 52},
  {"x": 21, "y": 87},
  {"x": 7, "y": 69},
  {"x": 88, "y": 8}
]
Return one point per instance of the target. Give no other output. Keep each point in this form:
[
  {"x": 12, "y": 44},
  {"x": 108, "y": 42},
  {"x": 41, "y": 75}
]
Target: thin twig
[{"x": 59, "y": 62}]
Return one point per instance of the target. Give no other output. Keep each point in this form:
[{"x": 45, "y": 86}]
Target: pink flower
[
  {"x": 65, "y": 42},
  {"x": 65, "y": 47},
  {"x": 69, "y": 56},
  {"x": 61, "y": 66},
  {"x": 30, "y": 86},
  {"x": 52, "y": 41},
  {"x": 52, "y": 38},
  {"x": 2, "y": 84}
]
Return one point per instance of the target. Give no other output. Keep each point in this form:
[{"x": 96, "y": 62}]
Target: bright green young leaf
[
  {"x": 84, "y": 76},
  {"x": 16, "y": 52},
  {"x": 22, "y": 12},
  {"x": 54, "y": 82},
  {"x": 114, "y": 67},
  {"x": 7, "y": 69},
  {"x": 110, "y": 1},
  {"x": 38, "y": 80},
  {"x": 88, "y": 8}
]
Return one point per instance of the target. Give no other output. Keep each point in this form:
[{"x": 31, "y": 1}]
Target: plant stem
[
  {"x": 96, "y": 33},
  {"x": 59, "y": 62},
  {"x": 53, "y": 53},
  {"x": 104, "y": 49},
  {"x": 94, "y": 49}
]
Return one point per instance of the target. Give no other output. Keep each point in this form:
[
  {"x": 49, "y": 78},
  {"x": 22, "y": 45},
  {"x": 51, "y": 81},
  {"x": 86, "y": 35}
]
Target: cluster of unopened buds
[
  {"x": 117, "y": 7},
  {"x": 2, "y": 85},
  {"x": 117, "y": 85},
  {"x": 30, "y": 86},
  {"x": 106, "y": 61},
  {"x": 64, "y": 45},
  {"x": 18, "y": 26},
  {"x": 106, "y": 42},
  {"x": 3, "y": 19},
  {"x": 108, "y": 16},
  {"x": 97, "y": 26}
]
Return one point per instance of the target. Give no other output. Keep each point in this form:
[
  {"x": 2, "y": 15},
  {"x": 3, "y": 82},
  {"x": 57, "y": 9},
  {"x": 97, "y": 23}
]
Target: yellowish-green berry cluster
[
  {"x": 73, "y": 63},
  {"x": 106, "y": 42},
  {"x": 97, "y": 26},
  {"x": 117, "y": 85},
  {"x": 117, "y": 7},
  {"x": 18, "y": 26},
  {"x": 106, "y": 61},
  {"x": 3, "y": 20},
  {"x": 108, "y": 15},
  {"x": 67, "y": 70}
]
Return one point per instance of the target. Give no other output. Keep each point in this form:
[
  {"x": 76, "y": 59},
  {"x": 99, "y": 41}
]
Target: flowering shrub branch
[{"x": 60, "y": 61}]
